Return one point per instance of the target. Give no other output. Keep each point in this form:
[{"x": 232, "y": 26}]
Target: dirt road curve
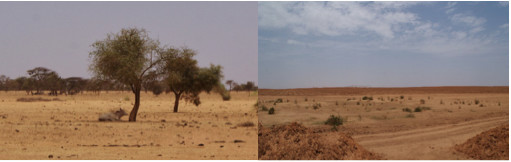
[{"x": 435, "y": 143}]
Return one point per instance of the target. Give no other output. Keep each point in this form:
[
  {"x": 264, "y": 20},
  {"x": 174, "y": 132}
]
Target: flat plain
[
  {"x": 68, "y": 128},
  {"x": 396, "y": 123}
]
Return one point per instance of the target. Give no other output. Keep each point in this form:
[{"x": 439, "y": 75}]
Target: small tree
[
  {"x": 229, "y": 82},
  {"x": 185, "y": 79},
  {"x": 126, "y": 57},
  {"x": 249, "y": 86}
]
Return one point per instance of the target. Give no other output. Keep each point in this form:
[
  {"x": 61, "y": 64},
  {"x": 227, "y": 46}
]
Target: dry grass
[{"x": 70, "y": 129}]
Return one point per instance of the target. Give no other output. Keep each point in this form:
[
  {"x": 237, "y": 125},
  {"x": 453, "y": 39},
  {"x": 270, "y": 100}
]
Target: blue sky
[
  {"x": 58, "y": 35},
  {"x": 383, "y": 44}
]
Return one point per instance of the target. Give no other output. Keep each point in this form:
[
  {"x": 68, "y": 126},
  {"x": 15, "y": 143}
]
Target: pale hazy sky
[
  {"x": 58, "y": 35},
  {"x": 383, "y": 44}
]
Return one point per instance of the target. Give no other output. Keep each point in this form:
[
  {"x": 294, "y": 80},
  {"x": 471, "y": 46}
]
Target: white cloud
[
  {"x": 476, "y": 23},
  {"x": 468, "y": 20},
  {"x": 352, "y": 27},
  {"x": 336, "y": 18},
  {"x": 504, "y": 26}
]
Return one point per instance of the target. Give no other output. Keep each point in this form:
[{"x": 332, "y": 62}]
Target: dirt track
[{"x": 433, "y": 143}]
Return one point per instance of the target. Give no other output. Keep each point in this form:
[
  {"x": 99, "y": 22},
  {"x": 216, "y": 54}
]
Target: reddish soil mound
[
  {"x": 296, "y": 142},
  {"x": 375, "y": 91},
  {"x": 489, "y": 145}
]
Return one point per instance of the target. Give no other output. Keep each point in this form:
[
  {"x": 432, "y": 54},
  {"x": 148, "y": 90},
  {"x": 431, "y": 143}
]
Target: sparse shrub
[
  {"x": 476, "y": 102},
  {"x": 334, "y": 121},
  {"x": 271, "y": 111},
  {"x": 410, "y": 115},
  {"x": 441, "y": 102},
  {"x": 401, "y": 97},
  {"x": 367, "y": 98},
  {"x": 481, "y": 105},
  {"x": 407, "y": 109},
  {"x": 499, "y": 103},
  {"x": 246, "y": 124},
  {"x": 358, "y": 103},
  {"x": 306, "y": 99},
  {"x": 226, "y": 96},
  {"x": 392, "y": 100},
  {"x": 316, "y": 106},
  {"x": 264, "y": 108},
  {"x": 423, "y": 101},
  {"x": 296, "y": 102},
  {"x": 420, "y": 109},
  {"x": 126, "y": 98},
  {"x": 287, "y": 100},
  {"x": 337, "y": 103},
  {"x": 279, "y": 100}
]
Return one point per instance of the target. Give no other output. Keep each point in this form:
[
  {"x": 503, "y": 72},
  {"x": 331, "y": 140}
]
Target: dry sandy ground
[
  {"x": 381, "y": 126},
  {"x": 69, "y": 129}
]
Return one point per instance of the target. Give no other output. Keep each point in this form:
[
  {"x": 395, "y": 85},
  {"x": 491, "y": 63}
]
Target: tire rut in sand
[{"x": 429, "y": 143}]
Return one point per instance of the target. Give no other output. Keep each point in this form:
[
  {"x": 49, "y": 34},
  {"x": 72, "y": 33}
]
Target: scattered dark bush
[
  {"x": 417, "y": 109},
  {"x": 271, "y": 111},
  {"x": 246, "y": 124},
  {"x": 410, "y": 115},
  {"x": 476, "y": 102},
  {"x": 264, "y": 108},
  {"x": 367, "y": 98},
  {"x": 401, "y": 97},
  {"x": 423, "y": 101},
  {"x": 407, "y": 110},
  {"x": 334, "y": 121}
]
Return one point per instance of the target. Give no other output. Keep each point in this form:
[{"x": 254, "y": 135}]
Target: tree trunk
[
  {"x": 176, "y": 103},
  {"x": 134, "y": 111}
]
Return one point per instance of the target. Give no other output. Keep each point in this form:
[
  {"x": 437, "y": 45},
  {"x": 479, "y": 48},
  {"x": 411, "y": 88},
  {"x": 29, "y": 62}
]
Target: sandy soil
[
  {"x": 69, "y": 129},
  {"x": 381, "y": 126}
]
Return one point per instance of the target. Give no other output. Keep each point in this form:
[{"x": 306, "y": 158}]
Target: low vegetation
[
  {"x": 271, "y": 111},
  {"x": 334, "y": 121}
]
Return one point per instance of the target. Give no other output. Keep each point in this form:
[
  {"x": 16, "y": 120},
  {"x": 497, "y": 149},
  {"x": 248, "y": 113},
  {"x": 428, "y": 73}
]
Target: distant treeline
[{"x": 42, "y": 79}]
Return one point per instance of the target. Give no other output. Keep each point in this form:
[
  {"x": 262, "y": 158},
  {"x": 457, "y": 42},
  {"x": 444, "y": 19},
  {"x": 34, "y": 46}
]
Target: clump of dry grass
[
  {"x": 246, "y": 124},
  {"x": 36, "y": 99}
]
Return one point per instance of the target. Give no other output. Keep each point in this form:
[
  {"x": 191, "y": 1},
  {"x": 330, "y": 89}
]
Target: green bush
[
  {"x": 226, "y": 96},
  {"x": 417, "y": 109},
  {"x": 334, "y": 121},
  {"x": 407, "y": 110},
  {"x": 367, "y": 98},
  {"x": 264, "y": 108},
  {"x": 271, "y": 111}
]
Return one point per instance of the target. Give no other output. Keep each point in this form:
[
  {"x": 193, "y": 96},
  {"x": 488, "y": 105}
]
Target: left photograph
[{"x": 128, "y": 80}]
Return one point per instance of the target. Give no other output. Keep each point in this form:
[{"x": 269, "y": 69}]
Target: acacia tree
[
  {"x": 185, "y": 79},
  {"x": 40, "y": 75},
  {"x": 126, "y": 57},
  {"x": 229, "y": 82},
  {"x": 249, "y": 86}
]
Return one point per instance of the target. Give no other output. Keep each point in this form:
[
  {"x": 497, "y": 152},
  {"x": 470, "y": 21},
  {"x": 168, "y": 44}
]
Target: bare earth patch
[
  {"x": 296, "y": 142},
  {"x": 489, "y": 145}
]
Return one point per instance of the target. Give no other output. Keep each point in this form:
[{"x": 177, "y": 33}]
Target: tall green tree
[
  {"x": 126, "y": 57},
  {"x": 185, "y": 79}
]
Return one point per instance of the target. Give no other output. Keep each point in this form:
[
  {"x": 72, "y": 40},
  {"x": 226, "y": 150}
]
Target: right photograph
[{"x": 383, "y": 80}]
